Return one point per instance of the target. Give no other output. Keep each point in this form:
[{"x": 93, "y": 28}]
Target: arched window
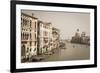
[
  {"x": 30, "y": 49},
  {"x": 30, "y": 36},
  {"x": 23, "y": 36},
  {"x": 27, "y": 36},
  {"x": 27, "y": 49}
]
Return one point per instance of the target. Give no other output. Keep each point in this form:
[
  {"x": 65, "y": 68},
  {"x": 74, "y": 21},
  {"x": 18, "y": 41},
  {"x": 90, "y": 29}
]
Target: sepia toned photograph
[{"x": 54, "y": 36}]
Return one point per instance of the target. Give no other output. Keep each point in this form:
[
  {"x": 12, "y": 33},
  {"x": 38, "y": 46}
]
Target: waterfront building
[
  {"x": 45, "y": 36},
  {"x": 80, "y": 38},
  {"x": 55, "y": 38},
  {"x": 37, "y": 37},
  {"x": 28, "y": 35}
]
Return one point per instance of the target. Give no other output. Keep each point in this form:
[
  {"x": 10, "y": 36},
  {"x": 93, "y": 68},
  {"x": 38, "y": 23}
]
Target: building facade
[
  {"x": 37, "y": 37},
  {"x": 81, "y": 38},
  {"x": 28, "y": 36},
  {"x": 45, "y": 37},
  {"x": 55, "y": 38}
]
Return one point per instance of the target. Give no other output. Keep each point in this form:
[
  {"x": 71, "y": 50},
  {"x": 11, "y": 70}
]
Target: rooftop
[{"x": 29, "y": 15}]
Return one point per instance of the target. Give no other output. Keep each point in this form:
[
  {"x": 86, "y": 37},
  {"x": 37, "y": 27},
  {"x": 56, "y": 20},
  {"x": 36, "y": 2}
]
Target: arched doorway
[{"x": 23, "y": 51}]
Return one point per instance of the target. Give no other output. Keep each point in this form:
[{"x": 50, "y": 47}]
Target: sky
[{"x": 66, "y": 22}]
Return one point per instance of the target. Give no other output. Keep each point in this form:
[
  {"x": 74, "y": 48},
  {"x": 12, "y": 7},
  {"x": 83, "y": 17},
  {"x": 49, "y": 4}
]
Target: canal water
[{"x": 71, "y": 52}]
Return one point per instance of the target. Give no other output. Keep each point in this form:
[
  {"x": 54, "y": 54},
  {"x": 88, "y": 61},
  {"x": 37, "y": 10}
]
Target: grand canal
[{"x": 71, "y": 52}]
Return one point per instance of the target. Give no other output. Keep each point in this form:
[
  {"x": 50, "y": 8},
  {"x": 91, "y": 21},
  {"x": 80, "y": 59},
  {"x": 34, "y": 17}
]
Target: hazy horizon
[{"x": 66, "y": 22}]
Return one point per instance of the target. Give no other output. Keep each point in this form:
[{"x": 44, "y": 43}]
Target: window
[
  {"x": 30, "y": 43},
  {"x": 30, "y": 49},
  {"x": 35, "y": 37},
  {"x": 21, "y": 35},
  {"x": 35, "y": 27},
  {"x": 27, "y": 50},
  {"x": 27, "y": 36},
  {"x": 30, "y": 36},
  {"x": 21, "y": 21},
  {"x": 35, "y": 43},
  {"x": 25, "y": 22}
]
